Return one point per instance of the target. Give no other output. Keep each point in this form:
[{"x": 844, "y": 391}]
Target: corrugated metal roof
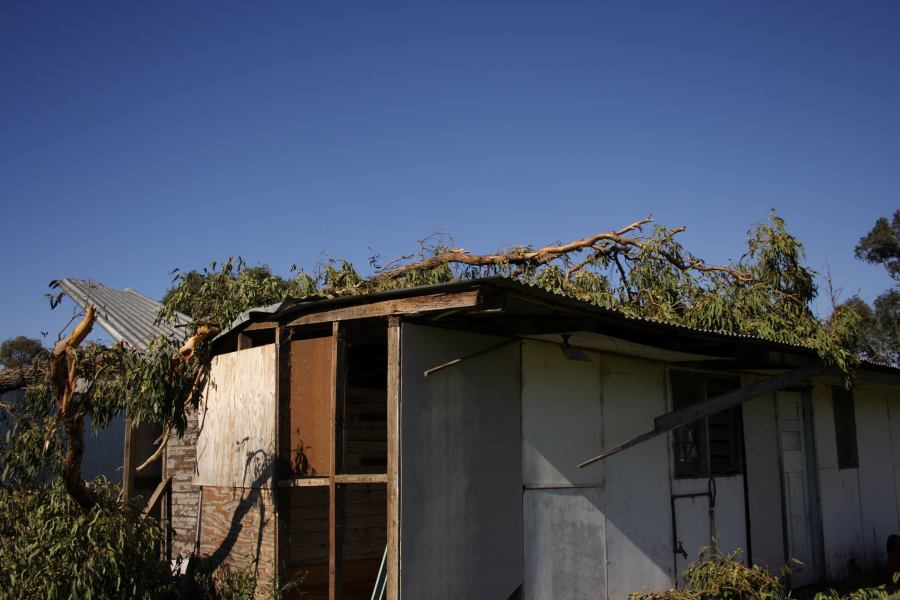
[
  {"x": 288, "y": 307},
  {"x": 127, "y": 315},
  {"x": 283, "y": 309}
]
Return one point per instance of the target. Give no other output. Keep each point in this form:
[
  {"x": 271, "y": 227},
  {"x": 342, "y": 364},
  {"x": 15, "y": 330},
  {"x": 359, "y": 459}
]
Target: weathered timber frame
[
  {"x": 392, "y": 588},
  {"x": 336, "y": 481}
]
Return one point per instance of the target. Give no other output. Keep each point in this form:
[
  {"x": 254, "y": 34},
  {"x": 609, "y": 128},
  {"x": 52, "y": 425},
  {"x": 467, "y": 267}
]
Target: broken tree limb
[
  {"x": 161, "y": 445},
  {"x": 62, "y": 374}
]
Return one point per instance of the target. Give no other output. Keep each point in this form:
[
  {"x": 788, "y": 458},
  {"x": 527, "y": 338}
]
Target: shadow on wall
[
  {"x": 241, "y": 503},
  {"x": 624, "y": 499}
]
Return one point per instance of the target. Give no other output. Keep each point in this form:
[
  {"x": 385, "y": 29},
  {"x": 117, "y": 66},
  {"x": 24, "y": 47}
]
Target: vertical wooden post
[
  {"x": 129, "y": 466},
  {"x": 243, "y": 340},
  {"x": 393, "y": 460},
  {"x": 283, "y": 400},
  {"x": 336, "y": 453}
]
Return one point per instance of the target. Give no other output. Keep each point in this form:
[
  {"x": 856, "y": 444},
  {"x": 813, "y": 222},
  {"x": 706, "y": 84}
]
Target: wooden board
[
  {"x": 365, "y": 435},
  {"x": 312, "y": 373},
  {"x": 418, "y": 304},
  {"x": 236, "y": 444}
]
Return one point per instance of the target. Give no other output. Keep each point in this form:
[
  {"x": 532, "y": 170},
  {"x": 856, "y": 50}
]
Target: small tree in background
[
  {"x": 20, "y": 351},
  {"x": 879, "y": 325}
]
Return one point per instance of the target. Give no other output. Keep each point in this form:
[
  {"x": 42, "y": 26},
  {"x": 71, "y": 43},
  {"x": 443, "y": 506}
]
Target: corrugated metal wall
[{"x": 104, "y": 451}]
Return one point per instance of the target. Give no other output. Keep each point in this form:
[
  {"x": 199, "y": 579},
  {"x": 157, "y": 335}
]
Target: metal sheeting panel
[
  {"x": 565, "y": 543},
  {"x": 126, "y": 315},
  {"x": 104, "y": 451},
  {"x": 461, "y": 467}
]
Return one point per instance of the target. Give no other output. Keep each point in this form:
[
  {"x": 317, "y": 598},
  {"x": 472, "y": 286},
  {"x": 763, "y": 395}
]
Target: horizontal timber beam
[
  {"x": 338, "y": 479},
  {"x": 386, "y": 308},
  {"x": 689, "y": 414},
  {"x": 362, "y": 478}
]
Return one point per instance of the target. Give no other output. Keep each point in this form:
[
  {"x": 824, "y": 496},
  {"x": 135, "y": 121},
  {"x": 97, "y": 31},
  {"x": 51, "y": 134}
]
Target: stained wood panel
[
  {"x": 312, "y": 376},
  {"x": 236, "y": 444},
  {"x": 365, "y": 437},
  {"x": 364, "y": 531}
]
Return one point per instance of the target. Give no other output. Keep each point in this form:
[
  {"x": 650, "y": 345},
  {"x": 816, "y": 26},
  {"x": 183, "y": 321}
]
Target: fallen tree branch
[
  {"x": 613, "y": 243},
  {"x": 21, "y": 377},
  {"x": 519, "y": 257}
]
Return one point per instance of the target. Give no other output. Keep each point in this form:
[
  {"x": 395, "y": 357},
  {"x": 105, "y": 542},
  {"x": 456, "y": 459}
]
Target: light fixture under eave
[{"x": 570, "y": 352}]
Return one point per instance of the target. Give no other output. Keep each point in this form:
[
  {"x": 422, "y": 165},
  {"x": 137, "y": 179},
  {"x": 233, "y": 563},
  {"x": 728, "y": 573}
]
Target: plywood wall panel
[
  {"x": 238, "y": 530},
  {"x": 235, "y": 446},
  {"x": 312, "y": 377}
]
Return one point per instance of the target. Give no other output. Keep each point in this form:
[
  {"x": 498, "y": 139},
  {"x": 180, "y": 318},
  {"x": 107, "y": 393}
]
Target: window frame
[
  {"x": 704, "y": 465},
  {"x": 845, "y": 435}
]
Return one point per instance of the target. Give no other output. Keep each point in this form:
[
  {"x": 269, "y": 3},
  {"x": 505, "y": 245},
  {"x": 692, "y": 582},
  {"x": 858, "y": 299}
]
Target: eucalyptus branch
[{"x": 533, "y": 258}]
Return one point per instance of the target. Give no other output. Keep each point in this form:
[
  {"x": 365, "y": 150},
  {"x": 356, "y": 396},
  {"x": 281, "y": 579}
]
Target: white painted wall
[
  {"x": 878, "y": 501},
  {"x": 562, "y": 415},
  {"x": 839, "y": 496},
  {"x": 460, "y": 467},
  {"x": 562, "y": 424},
  {"x": 726, "y": 530},
  {"x": 638, "y": 510},
  {"x": 565, "y": 548},
  {"x": 609, "y": 523},
  {"x": 763, "y": 482}
]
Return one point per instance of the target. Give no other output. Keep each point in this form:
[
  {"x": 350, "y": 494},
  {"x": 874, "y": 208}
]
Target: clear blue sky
[{"x": 139, "y": 137}]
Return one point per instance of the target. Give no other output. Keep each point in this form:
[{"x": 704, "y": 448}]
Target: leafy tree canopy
[
  {"x": 882, "y": 245},
  {"x": 879, "y": 324}
]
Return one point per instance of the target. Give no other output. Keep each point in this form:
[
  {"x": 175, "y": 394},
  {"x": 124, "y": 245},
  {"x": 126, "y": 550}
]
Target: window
[
  {"x": 712, "y": 445},
  {"x": 844, "y": 428}
]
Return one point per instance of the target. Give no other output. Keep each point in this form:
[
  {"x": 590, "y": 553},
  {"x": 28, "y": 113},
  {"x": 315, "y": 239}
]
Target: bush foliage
[
  {"x": 50, "y": 549},
  {"x": 717, "y": 576}
]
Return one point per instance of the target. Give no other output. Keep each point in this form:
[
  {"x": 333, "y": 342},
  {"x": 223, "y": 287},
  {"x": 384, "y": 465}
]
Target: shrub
[
  {"x": 50, "y": 548},
  {"x": 716, "y": 576}
]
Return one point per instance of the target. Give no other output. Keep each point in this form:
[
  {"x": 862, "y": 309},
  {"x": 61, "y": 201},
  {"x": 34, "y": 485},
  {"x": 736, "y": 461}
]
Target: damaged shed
[{"x": 440, "y": 436}]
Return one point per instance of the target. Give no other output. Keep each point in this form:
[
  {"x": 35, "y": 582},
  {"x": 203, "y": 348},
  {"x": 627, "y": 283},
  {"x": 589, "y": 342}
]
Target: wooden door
[{"x": 793, "y": 446}]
